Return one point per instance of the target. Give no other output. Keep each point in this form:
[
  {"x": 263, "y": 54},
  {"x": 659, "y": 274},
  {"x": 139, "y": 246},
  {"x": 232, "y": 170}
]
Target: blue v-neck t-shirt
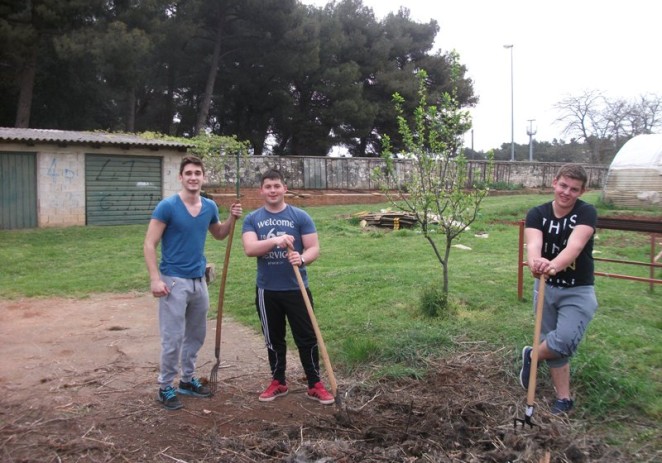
[{"x": 183, "y": 241}]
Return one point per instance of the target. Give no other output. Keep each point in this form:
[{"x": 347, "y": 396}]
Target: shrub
[{"x": 433, "y": 302}]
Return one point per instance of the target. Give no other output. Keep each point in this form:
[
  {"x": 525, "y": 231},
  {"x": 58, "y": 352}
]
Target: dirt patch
[{"x": 79, "y": 382}]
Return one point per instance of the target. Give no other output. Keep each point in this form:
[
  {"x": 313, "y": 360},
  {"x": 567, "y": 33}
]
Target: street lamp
[{"x": 512, "y": 106}]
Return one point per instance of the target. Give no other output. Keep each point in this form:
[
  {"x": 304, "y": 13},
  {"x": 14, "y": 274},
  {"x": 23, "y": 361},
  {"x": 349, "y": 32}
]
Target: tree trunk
[
  {"x": 169, "y": 125},
  {"x": 205, "y": 104},
  {"x": 26, "y": 82},
  {"x": 444, "y": 264},
  {"x": 130, "y": 125}
]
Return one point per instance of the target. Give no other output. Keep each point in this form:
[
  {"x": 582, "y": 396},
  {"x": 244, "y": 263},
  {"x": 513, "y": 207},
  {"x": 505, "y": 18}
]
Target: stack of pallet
[{"x": 386, "y": 219}]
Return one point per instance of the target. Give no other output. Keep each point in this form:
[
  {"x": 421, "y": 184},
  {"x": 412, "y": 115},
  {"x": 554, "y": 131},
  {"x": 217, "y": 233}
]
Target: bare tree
[
  {"x": 585, "y": 118},
  {"x": 604, "y": 124},
  {"x": 616, "y": 114},
  {"x": 645, "y": 115}
]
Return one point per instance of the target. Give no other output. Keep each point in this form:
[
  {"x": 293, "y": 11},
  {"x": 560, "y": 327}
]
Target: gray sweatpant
[
  {"x": 566, "y": 315},
  {"x": 183, "y": 326}
]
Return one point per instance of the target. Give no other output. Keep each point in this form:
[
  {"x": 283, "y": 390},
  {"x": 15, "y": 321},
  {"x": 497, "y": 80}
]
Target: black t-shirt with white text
[{"x": 556, "y": 232}]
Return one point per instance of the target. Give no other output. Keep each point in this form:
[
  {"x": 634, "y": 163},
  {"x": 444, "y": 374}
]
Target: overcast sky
[{"x": 560, "y": 48}]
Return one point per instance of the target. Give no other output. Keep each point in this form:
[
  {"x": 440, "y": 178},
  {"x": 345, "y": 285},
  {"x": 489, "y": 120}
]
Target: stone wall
[
  {"x": 251, "y": 199},
  {"x": 323, "y": 173}
]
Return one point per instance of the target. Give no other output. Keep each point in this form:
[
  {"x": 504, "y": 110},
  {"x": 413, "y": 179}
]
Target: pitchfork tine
[{"x": 527, "y": 418}]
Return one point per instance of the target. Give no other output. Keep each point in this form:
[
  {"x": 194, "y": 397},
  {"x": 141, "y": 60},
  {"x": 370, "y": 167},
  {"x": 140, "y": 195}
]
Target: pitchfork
[
  {"x": 531, "y": 392},
  {"x": 213, "y": 376}
]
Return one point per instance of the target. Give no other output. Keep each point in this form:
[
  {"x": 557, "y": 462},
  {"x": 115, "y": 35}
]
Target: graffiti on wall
[{"x": 55, "y": 172}]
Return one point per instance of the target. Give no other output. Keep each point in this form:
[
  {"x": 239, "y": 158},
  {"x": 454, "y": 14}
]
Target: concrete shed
[
  {"x": 56, "y": 178},
  {"x": 635, "y": 175}
]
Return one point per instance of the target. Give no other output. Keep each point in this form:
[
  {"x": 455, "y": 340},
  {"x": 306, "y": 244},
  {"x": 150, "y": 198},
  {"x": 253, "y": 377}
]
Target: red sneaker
[
  {"x": 319, "y": 393},
  {"x": 274, "y": 390}
]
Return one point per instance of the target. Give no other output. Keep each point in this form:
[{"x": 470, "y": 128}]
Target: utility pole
[{"x": 531, "y": 131}]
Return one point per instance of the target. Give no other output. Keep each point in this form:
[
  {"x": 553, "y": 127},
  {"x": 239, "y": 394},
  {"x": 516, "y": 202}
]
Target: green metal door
[
  {"x": 121, "y": 190},
  {"x": 18, "y": 191}
]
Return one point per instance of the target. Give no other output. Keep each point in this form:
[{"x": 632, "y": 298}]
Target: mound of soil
[{"x": 79, "y": 382}]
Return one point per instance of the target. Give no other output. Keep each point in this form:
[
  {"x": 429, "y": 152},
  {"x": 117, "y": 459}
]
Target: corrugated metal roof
[{"x": 64, "y": 137}]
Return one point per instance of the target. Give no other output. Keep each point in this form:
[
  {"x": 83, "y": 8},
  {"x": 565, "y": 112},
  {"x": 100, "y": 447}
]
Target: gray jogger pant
[{"x": 183, "y": 326}]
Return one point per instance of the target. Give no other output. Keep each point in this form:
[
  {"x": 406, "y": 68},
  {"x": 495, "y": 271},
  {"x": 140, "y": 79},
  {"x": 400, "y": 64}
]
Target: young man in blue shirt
[{"x": 180, "y": 223}]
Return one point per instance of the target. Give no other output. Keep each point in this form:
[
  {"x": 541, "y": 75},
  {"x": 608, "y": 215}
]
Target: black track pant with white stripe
[{"x": 275, "y": 309}]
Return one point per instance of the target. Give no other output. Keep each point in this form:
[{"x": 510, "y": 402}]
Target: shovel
[
  {"x": 318, "y": 335},
  {"x": 531, "y": 391},
  {"x": 213, "y": 376}
]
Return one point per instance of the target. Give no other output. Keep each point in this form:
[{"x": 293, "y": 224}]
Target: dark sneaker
[
  {"x": 525, "y": 372},
  {"x": 194, "y": 388},
  {"x": 275, "y": 389},
  {"x": 562, "y": 406},
  {"x": 319, "y": 393},
  {"x": 168, "y": 397}
]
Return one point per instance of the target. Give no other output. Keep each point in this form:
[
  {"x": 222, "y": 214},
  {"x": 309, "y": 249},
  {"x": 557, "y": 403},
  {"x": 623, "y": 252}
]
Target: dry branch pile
[{"x": 463, "y": 412}]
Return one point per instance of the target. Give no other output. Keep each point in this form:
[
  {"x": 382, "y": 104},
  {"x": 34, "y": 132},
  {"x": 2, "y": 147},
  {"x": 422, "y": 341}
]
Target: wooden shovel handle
[
  {"x": 540, "y": 303},
  {"x": 531, "y": 393},
  {"x": 318, "y": 333}
]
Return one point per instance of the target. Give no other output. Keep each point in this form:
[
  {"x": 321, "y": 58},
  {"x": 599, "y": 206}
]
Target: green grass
[{"x": 367, "y": 289}]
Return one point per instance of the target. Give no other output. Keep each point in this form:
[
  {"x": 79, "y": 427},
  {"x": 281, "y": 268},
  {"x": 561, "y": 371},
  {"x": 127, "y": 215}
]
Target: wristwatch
[{"x": 303, "y": 262}]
